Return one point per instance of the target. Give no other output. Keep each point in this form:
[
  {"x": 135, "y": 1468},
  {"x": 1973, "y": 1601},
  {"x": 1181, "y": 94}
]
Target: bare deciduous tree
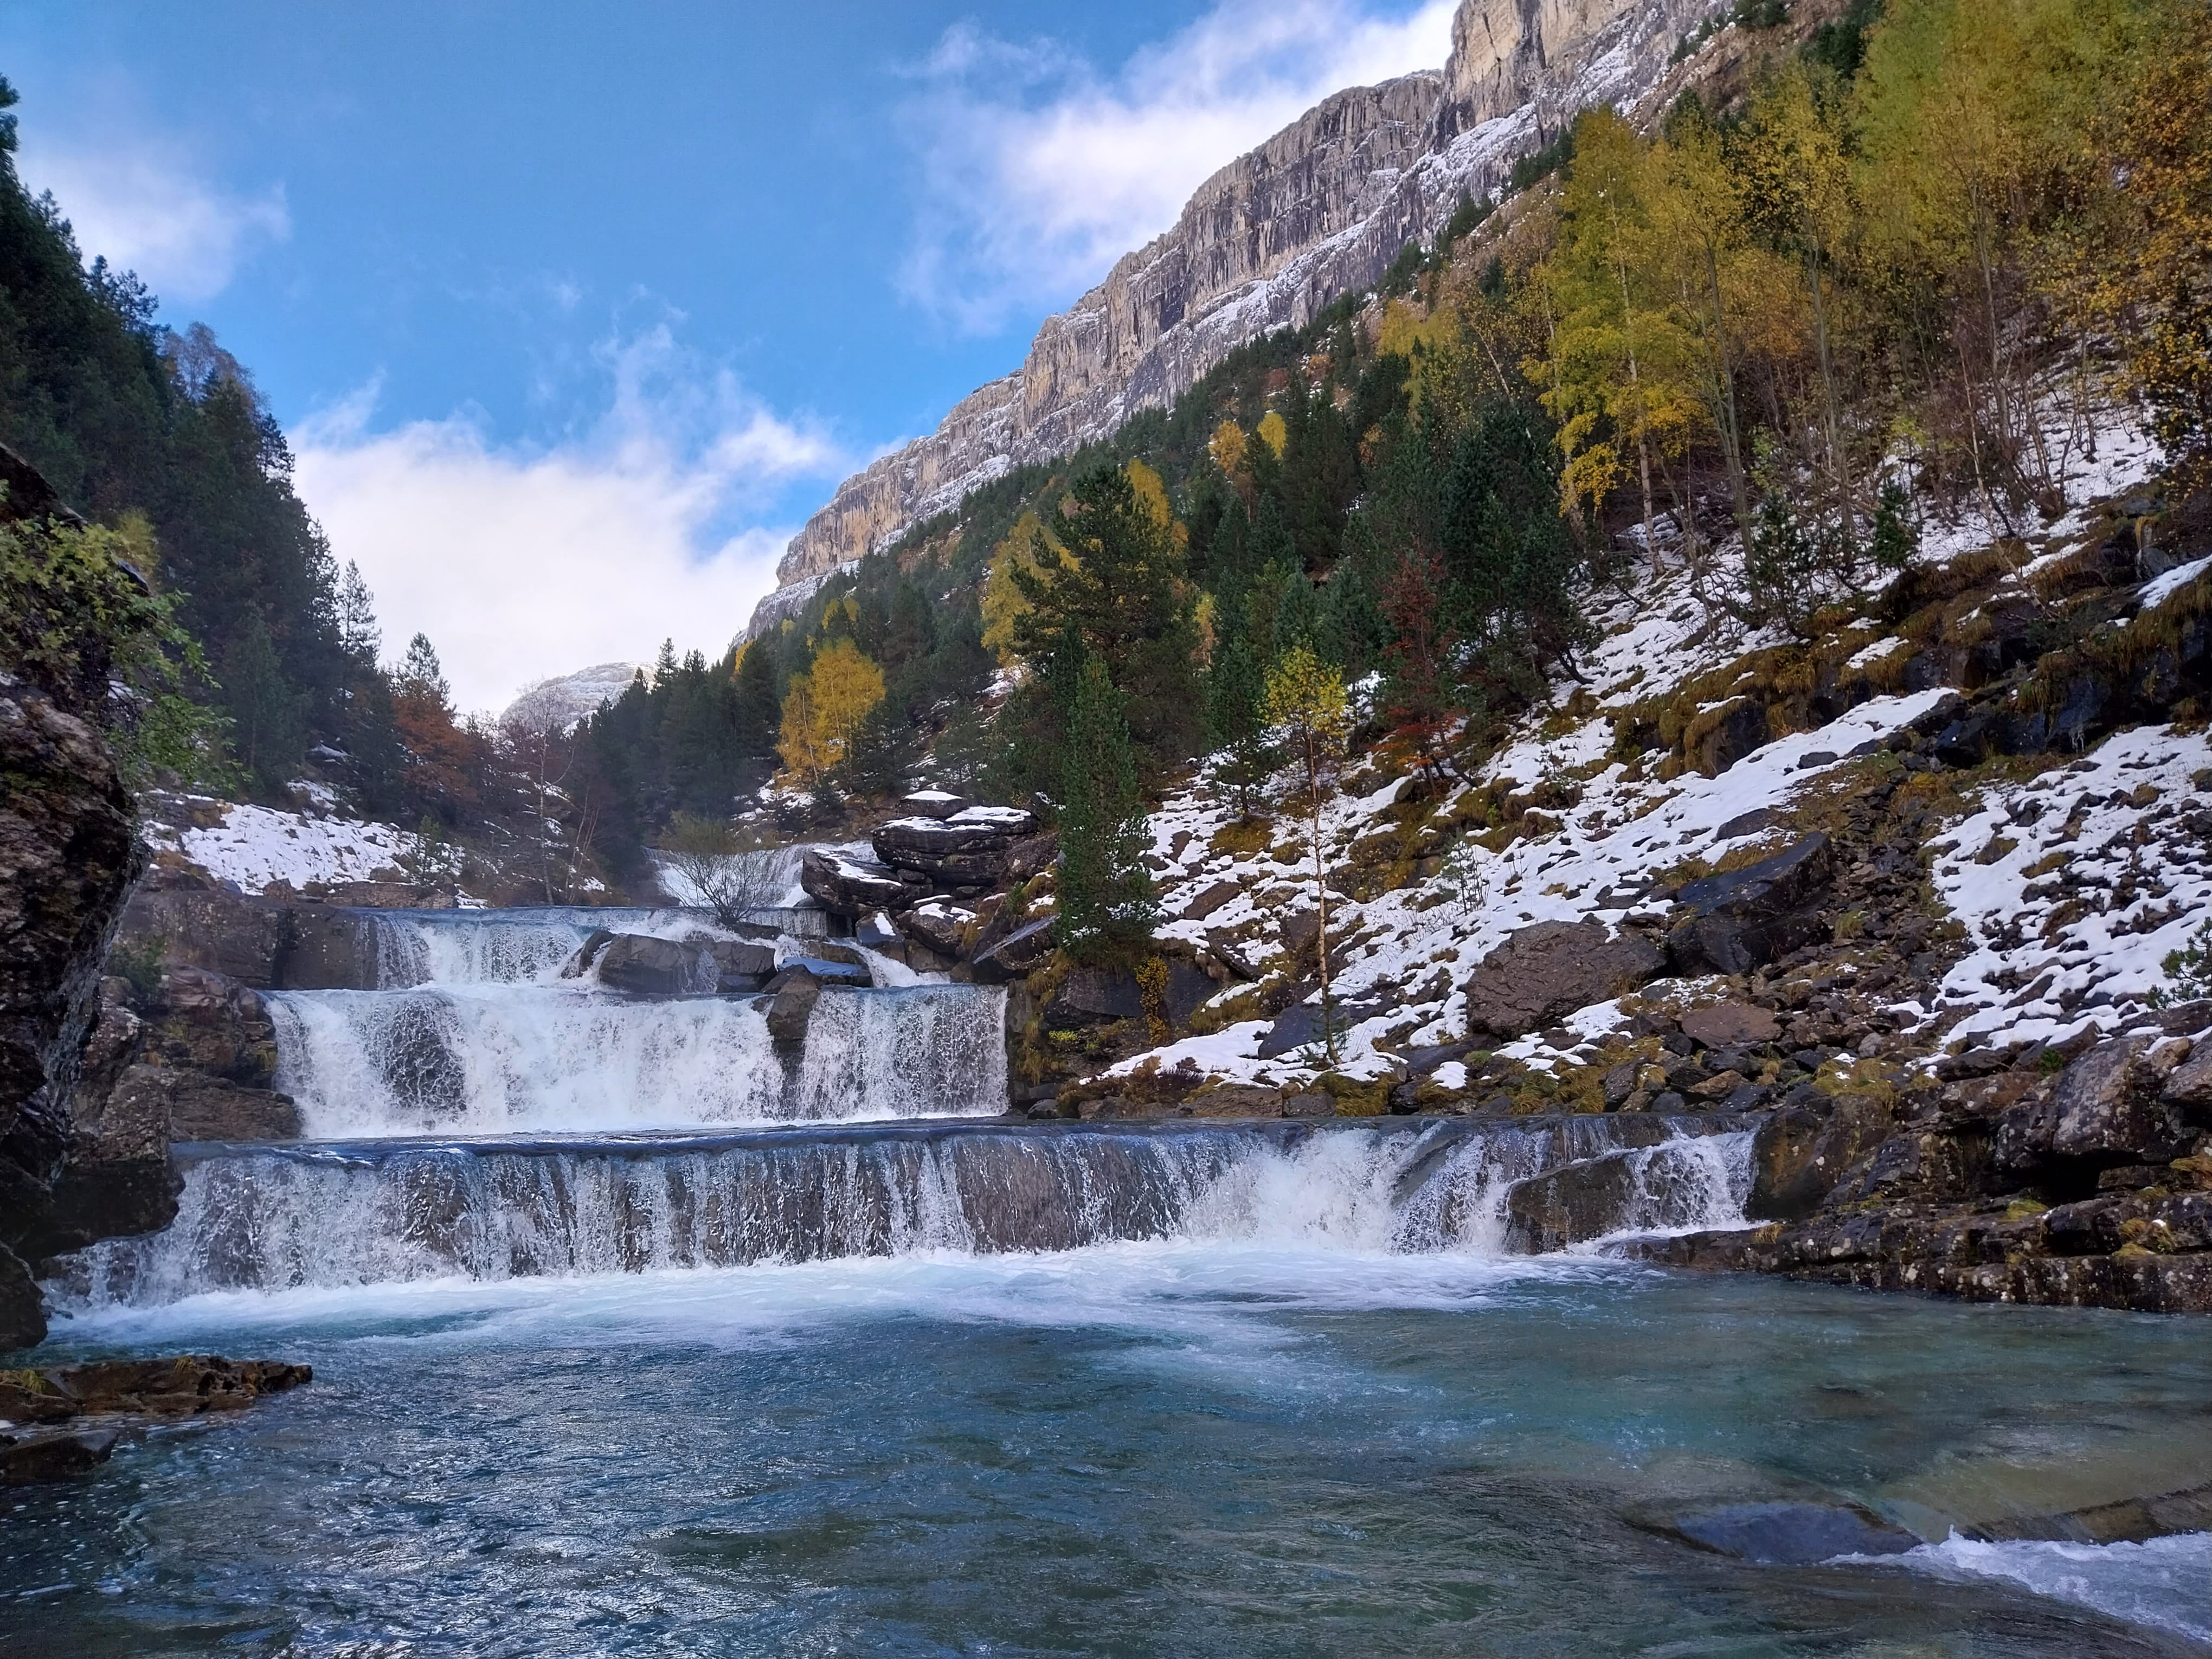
[{"x": 733, "y": 872}]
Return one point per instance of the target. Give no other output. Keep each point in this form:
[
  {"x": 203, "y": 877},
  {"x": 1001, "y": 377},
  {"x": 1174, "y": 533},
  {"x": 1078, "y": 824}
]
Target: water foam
[
  {"x": 2161, "y": 1583},
  {"x": 493, "y": 1059},
  {"x": 282, "y": 1218}
]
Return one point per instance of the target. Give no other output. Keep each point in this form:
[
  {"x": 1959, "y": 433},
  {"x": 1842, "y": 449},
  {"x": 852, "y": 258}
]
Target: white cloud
[
  {"x": 523, "y": 563},
  {"x": 1039, "y": 171},
  {"x": 135, "y": 198}
]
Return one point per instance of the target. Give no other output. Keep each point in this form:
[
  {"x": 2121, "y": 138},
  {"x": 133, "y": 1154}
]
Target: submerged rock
[{"x": 1791, "y": 1534}]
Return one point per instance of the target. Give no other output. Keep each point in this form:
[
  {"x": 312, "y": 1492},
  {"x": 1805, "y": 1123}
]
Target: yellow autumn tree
[
  {"x": 1272, "y": 432},
  {"x": 1227, "y": 447},
  {"x": 1621, "y": 369},
  {"x": 823, "y": 708},
  {"x": 1003, "y": 602}
]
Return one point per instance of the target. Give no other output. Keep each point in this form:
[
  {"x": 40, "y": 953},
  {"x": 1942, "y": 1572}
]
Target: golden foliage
[{"x": 823, "y": 708}]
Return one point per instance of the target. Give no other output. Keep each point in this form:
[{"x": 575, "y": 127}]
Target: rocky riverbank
[{"x": 63, "y": 1421}]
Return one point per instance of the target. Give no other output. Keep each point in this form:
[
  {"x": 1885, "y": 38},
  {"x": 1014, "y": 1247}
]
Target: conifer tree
[{"x": 1106, "y": 906}]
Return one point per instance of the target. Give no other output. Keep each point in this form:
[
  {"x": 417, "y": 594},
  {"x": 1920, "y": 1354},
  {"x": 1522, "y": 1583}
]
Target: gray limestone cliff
[{"x": 1318, "y": 211}]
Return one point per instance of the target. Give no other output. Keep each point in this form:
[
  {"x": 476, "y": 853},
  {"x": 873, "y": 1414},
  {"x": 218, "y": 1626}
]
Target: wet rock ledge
[{"x": 61, "y": 1422}]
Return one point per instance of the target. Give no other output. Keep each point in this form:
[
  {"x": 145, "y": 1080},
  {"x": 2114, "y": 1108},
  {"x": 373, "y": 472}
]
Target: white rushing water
[
  {"x": 328, "y": 1216},
  {"x": 513, "y": 1059},
  {"x": 473, "y": 1029}
]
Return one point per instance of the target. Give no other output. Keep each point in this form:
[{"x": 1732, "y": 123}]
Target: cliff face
[
  {"x": 69, "y": 853},
  {"x": 1318, "y": 211}
]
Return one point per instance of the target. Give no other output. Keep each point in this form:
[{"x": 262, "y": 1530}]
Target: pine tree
[
  {"x": 1235, "y": 689},
  {"x": 1106, "y": 906}
]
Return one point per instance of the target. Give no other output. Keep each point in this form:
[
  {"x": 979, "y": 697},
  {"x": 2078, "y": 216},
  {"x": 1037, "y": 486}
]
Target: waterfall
[
  {"x": 500, "y": 1059},
  {"x": 271, "y": 1218},
  {"x": 471, "y": 1029}
]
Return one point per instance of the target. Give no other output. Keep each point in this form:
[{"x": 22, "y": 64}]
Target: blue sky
[{"x": 576, "y": 311}]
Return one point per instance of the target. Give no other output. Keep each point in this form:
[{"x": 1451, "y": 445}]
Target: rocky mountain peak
[{"x": 1318, "y": 211}]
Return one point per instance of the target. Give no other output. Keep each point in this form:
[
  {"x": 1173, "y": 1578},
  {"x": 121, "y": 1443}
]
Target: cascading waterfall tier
[
  {"x": 471, "y": 1028},
  {"x": 508, "y": 1059},
  {"x": 270, "y": 1218},
  {"x": 520, "y": 947}
]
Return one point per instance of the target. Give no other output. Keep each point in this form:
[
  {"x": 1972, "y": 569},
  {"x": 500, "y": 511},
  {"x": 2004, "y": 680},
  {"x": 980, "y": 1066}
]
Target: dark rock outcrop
[
  {"x": 264, "y": 943},
  {"x": 1021, "y": 952},
  {"x": 850, "y": 887},
  {"x": 1802, "y": 1153},
  {"x": 1544, "y": 972},
  {"x": 969, "y": 848},
  {"x": 215, "y": 1109},
  {"x": 63, "y": 1421},
  {"x": 68, "y": 854},
  {"x": 1746, "y": 917}
]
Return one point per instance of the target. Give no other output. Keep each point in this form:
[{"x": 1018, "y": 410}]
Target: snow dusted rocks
[
  {"x": 851, "y": 887},
  {"x": 968, "y": 849}
]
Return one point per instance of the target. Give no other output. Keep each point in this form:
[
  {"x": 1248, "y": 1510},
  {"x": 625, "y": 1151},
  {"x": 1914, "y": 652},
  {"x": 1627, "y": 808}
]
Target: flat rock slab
[
  {"x": 1543, "y": 973},
  {"x": 46, "y": 1437},
  {"x": 1791, "y": 1534},
  {"x": 1729, "y": 1025}
]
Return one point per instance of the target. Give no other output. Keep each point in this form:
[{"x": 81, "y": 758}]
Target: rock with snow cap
[{"x": 852, "y": 887}]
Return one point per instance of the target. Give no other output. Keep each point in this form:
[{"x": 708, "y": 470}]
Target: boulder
[
  {"x": 876, "y": 932},
  {"x": 214, "y": 1108},
  {"x": 239, "y": 937},
  {"x": 931, "y": 804},
  {"x": 1801, "y": 1153},
  {"x": 1090, "y": 994},
  {"x": 1031, "y": 856},
  {"x": 1315, "y": 1103},
  {"x": 41, "y": 1455},
  {"x": 264, "y": 943},
  {"x": 388, "y": 895},
  {"x": 1210, "y": 898},
  {"x": 740, "y": 964},
  {"x": 830, "y": 965},
  {"x": 1543, "y": 973},
  {"x": 793, "y": 1007},
  {"x": 650, "y": 967},
  {"x": 1729, "y": 1025},
  {"x": 2110, "y": 1110},
  {"x": 188, "y": 1385},
  {"x": 966, "y": 849},
  {"x": 1749, "y": 916},
  {"x": 206, "y": 1022},
  {"x": 938, "y": 924},
  {"x": 2190, "y": 1084},
  {"x": 586, "y": 953},
  {"x": 851, "y": 887},
  {"x": 1023, "y": 952},
  {"x": 2106, "y": 1110},
  {"x": 1568, "y": 1206}
]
